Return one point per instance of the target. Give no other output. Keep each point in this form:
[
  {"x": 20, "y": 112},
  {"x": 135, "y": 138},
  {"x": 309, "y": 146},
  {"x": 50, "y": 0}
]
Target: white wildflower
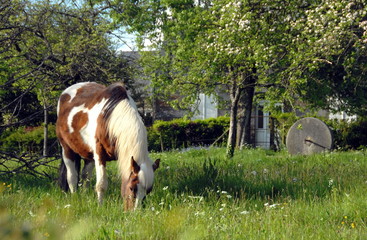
[
  {"x": 244, "y": 212},
  {"x": 32, "y": 214}
]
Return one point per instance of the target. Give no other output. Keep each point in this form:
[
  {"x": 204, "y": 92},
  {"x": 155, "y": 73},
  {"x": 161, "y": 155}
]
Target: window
[{"x": 260, "y": 117}]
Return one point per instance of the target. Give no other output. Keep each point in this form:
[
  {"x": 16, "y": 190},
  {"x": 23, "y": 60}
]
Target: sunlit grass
[{"x": 199, "y": 194}]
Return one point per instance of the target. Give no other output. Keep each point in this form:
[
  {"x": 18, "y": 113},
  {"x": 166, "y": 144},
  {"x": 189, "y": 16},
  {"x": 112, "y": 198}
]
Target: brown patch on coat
[{"x": 105, "y": 145}]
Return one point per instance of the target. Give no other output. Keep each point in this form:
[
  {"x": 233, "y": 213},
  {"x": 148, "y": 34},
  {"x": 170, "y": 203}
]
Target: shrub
[
  {"x": 181, "y": 133},
  {"x": 26, "y": 139},
  {"x": 349, "y": 135}
]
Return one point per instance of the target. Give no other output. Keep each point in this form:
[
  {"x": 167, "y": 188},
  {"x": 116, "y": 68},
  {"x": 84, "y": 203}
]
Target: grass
[{"x": 199, "y": 194}]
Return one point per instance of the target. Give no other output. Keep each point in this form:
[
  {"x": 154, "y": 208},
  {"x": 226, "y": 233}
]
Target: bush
[
  {"x": 349, "y": 135},
  {"x": 26, "y": 139},
  {"x": 182, "y": 133}
]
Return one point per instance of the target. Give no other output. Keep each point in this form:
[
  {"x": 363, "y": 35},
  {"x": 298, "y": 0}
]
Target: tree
[{"x": 46, "y": 46}]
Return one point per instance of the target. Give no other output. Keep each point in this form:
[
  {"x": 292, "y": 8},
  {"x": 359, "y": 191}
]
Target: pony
[{"x": 99, "y": 124}]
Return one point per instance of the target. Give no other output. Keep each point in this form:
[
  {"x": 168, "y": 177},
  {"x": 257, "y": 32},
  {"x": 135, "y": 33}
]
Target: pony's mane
[{"x": 126, "y": 128}]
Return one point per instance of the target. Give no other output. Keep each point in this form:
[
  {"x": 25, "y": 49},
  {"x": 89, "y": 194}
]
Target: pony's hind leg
[
  {"x": 87, "y": 172},
  {"x": 72, "y": 164}
]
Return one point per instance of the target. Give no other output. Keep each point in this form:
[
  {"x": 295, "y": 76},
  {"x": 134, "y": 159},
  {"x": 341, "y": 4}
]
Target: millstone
[{"x": 309, "y": 135}]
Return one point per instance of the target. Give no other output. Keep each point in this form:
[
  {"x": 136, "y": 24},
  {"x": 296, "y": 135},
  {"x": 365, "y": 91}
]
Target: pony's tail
[{"x": 63, "y": 182}]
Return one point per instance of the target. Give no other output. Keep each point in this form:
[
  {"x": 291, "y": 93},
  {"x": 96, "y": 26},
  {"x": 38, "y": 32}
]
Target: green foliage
[
  {"x": 26, "y": 139},
  {"x": 181, "y": 133},
  {"x": 284, "y": 121}
]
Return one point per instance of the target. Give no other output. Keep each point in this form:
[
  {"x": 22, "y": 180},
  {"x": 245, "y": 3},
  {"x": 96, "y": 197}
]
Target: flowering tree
[
  {"x": 327, "y": 67},
  {"x": 286, "y": 49}
]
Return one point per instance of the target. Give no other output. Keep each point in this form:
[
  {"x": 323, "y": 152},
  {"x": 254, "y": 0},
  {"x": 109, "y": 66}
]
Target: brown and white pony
[{"x": 100, "y": 124}]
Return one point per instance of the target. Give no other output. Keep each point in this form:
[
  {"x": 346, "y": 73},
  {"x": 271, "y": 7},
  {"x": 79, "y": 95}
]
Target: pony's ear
[
  {"x": 156, "y": 164},
  {"x": 134, "y": 166}
]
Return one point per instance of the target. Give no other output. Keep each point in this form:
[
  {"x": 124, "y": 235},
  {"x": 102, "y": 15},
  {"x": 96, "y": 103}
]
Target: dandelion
[
  {"x": 353, "y": 225},
  {"x": 46, "y": 234}
]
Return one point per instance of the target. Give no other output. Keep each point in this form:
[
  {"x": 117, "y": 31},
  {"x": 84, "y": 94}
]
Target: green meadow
[{"x": 199, "y": 194}]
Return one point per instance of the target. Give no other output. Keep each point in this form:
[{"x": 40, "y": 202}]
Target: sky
[{"x": 126, "y": 42}]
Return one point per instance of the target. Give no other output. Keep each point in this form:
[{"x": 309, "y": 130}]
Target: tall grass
[{"x": 199, "y": 194}]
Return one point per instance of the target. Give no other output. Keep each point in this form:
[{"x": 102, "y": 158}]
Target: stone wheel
[{"x": 309, "y": 135}]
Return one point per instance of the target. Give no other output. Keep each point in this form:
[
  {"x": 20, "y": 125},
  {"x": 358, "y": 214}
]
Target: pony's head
[{"x": 139, "y": 183}]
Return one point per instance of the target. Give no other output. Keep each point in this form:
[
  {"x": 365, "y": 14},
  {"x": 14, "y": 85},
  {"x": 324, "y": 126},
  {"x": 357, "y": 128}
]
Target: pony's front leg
[{"x": 101, "y": 184}]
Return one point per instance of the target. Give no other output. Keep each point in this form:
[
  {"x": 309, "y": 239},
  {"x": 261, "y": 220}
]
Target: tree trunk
[
  {"x": 235, "y": 96},
  {"x": 45, "y": 131},
  {"x": 273, "y": 146},
  {"x": 248, "y": 98}
]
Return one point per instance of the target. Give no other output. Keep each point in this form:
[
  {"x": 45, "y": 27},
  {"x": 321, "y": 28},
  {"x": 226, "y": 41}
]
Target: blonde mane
[{"x": 126, "y": 127}]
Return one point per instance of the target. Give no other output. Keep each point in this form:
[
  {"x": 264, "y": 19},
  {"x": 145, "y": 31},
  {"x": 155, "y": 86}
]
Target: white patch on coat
[
  {"x": 71, "y": 91},
  {"x": 89, "y": 132}
]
